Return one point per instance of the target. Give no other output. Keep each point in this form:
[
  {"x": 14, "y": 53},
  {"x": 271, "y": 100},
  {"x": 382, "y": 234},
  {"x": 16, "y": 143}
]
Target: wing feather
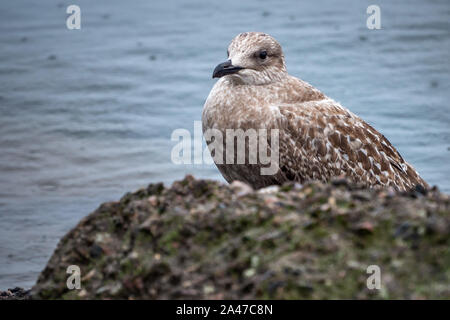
[{"x": 332, "y": 141}]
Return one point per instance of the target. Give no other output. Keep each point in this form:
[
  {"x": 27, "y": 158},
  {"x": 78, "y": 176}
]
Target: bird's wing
[{"x": 329, "y": 140}]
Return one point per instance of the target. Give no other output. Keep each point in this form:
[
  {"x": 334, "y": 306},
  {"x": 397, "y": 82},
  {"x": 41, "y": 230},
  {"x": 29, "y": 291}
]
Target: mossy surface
[{"x": 200, "y": 239}]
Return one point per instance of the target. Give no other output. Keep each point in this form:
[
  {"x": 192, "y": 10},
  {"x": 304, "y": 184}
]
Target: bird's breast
[{"x": 238, "y": 108}]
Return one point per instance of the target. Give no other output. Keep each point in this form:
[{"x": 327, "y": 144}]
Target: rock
[
  {"x": 201, "y": 239},
  {"x": 240, "y": 188},
  {"x": 15, "y": 294},
  {"x": 270, "y": 189}
]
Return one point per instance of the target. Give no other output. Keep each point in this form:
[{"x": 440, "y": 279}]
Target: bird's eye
[{"x": 263, "y": 54}]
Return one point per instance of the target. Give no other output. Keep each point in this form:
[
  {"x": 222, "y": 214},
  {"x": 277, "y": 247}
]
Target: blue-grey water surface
[{"x": 86, "y": 115}]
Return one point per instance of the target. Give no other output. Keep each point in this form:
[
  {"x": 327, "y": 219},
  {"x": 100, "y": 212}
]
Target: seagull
[{"x": 318, "y": 139}]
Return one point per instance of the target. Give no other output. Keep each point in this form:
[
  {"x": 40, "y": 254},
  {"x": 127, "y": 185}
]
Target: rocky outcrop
[{"x": 201, "y": 239}]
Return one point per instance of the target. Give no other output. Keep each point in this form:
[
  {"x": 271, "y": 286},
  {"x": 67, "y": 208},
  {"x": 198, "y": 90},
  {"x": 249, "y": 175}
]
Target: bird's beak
[{"x": 225, "y": 68}]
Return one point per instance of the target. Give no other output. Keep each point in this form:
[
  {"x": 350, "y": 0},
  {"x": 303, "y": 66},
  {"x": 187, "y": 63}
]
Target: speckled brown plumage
[{"x": 318, "y": 138}]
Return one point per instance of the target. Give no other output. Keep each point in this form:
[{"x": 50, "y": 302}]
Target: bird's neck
[{"x": 286, "y": 90}]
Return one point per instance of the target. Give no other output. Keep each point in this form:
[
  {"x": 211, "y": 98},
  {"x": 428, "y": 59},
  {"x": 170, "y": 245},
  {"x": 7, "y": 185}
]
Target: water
[{"x": 86, "y": 115}]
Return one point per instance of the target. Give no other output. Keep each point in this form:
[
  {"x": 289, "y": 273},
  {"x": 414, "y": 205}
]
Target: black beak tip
[{"x": 224, "y": 69}]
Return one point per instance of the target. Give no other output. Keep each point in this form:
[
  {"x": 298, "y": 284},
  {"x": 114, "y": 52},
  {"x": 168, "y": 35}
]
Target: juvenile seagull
[{"x": 318, "y": 138}]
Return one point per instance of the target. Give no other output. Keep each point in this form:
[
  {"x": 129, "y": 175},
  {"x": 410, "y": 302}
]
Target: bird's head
[{"x": 254, "y": 58}]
